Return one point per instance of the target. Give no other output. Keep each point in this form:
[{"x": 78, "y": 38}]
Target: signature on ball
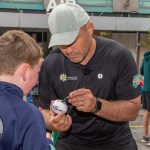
[{"x": 56, "y": 108}]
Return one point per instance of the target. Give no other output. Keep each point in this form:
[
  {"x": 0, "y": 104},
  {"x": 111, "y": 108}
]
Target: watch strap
[{"x": 97, "y": 106}]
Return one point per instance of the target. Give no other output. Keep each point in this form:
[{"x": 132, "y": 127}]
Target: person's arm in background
[{"x": 142, "y": 69}]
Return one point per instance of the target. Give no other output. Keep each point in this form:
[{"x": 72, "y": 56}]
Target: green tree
[{"x": 146, "y": 43}]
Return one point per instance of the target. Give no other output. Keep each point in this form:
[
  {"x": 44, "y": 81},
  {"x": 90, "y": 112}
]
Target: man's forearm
[{"x": 120, "y": 110}]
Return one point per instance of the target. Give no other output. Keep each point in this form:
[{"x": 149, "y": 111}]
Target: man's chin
[{"x": 75, "y": 61}]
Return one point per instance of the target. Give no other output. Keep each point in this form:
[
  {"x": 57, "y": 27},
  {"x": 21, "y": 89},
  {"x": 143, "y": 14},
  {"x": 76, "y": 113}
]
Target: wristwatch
[{"x": 97, "y": 106}]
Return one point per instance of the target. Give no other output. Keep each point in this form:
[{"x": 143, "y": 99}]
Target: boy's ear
[{"x": 25, "y": 68}]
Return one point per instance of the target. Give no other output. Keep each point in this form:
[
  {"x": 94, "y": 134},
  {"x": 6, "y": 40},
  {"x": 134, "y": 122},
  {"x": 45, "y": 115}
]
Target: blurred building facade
[{"x": 126, "y": 21}]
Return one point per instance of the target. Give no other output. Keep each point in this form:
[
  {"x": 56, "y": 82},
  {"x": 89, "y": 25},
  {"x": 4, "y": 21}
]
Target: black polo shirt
[{"x": 110, "y": 74}]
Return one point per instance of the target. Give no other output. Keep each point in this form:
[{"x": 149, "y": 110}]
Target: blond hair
[{"x": 17, "y": 47}]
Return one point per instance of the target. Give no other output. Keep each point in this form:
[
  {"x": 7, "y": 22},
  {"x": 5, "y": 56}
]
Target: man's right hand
[{"x": 59, "y": 123}]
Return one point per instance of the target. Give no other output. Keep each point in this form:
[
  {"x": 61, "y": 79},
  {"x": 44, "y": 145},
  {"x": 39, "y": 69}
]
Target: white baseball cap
[{"x": 65, "y": 21}]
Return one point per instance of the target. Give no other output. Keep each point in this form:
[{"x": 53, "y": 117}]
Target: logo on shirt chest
[
  {"x": 1, "y": 128},
  {"x": 63, "y": 77},
  {"x": 100, "y": 76}
]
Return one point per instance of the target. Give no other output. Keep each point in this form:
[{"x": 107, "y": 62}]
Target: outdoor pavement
[{"x": 137, "y": 130}]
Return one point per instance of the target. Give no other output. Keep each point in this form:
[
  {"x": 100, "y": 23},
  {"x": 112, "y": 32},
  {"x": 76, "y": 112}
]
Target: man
[
  {"x": 100, "y": 78},
  {"x": 21, "y": 124},
  {"x": 145, "y": 71}
]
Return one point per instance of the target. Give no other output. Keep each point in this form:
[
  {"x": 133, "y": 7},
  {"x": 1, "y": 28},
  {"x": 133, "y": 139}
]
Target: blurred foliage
[{"x": 146, "y": 43}]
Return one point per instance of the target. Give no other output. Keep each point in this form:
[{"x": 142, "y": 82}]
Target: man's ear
[
  {"x": 25, "y": 71},
  {"x": 90, "y": 28}
]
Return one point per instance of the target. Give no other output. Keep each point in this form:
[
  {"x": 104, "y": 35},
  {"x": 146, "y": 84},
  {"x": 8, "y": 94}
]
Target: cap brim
[{"x": 65, "y": 38}]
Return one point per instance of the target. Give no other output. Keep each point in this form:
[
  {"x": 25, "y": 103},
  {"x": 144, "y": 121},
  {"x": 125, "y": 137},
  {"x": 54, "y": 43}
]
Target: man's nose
[{"x": 69, "y": 49}]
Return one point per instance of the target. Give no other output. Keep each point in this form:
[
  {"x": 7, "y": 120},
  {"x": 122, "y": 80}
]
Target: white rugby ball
[{"x": 59, "y": 106}]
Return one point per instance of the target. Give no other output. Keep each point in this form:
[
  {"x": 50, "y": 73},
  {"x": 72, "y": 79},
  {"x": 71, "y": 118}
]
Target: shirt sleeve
[{"x": 127, "y": 86}]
